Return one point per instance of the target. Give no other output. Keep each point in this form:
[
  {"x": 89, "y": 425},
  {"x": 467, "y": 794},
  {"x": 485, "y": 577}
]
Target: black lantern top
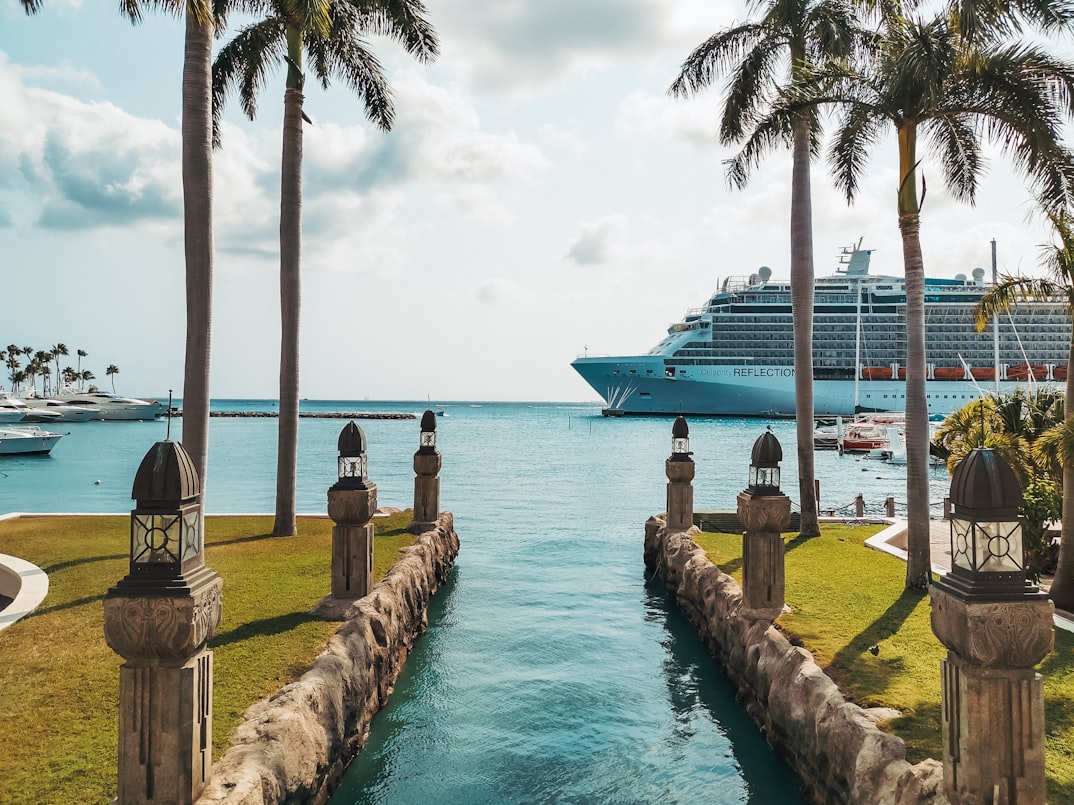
[
  {"x": 984, "y": 487},
  {"x": 352, "y": 458},
  {"x": 764, "y": 464},
  {"x": 166, "y": 531},
  {"x": 680, "y": 440},
  {"x": 166, "y": 477},
  {"x": 427, "y": 440}
]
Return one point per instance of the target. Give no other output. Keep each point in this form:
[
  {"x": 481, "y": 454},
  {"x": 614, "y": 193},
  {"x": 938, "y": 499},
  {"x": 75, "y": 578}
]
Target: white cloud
[{"x": 695, "y": 120}]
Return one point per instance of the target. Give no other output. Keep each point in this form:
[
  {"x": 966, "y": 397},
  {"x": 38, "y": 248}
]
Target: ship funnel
[
  {"x": 978, "y": 276},
  {"x": 765, "y": 273}
]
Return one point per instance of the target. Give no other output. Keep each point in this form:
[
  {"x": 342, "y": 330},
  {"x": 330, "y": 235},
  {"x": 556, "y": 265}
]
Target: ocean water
[{"x": 552, "y": 670}]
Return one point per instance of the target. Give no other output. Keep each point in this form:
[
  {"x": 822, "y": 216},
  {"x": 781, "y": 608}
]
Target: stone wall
[
  {"x": 839, "y": 753},
  {"x": 295, "y": 746}
]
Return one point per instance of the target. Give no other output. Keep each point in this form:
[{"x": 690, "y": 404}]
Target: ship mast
[
  {"x": 857, "y": 352},
  {"x": 995, "y": 324}
]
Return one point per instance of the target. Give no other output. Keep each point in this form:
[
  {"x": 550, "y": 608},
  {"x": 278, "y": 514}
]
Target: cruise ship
[{"x": 735, "y": 355}]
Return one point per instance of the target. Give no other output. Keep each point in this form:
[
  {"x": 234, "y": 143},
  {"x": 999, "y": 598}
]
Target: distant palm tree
[
  {"x": 333, "y": 33},
  {"x": 58, "y": 351},
  {"x": 81, "y": 354},
  {"x": 1057, "y": 443},
  {"x": 111, "y": 372},
  {"x": 924, "y": 77},
  {"x": 762, "y": 56},
  {"x": 84, "y": 377}
]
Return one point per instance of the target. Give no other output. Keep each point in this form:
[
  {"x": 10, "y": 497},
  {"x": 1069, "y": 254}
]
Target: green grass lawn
[
  {"x": 59, "y": 681},
  {"x": 847, "y": 598}
]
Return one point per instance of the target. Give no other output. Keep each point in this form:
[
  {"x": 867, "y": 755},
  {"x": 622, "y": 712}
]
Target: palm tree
[
  {"x": 1058, "y": 441},
  {"x": 85, "y": 376},
  {"x": 332, "y": 33},
  {"x": 111, "y": 372},
  {"x": 78, "y": 369},
  {"x": 923, "y": 77},
  {"x": 203, "y": 18},
  {"x": 790, "y": 34},
  {"x": 58, "y": 351}
]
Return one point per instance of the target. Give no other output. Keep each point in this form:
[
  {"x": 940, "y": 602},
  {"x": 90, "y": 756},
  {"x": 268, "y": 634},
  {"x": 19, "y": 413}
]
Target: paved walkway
[{"x": 891, "y": 540}]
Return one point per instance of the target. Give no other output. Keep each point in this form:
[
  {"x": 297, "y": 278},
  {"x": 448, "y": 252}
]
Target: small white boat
[
  {"x": 27, "y": 440},
  {"x": 48, "y": 409},
  {"x": 12, "y": 409}
]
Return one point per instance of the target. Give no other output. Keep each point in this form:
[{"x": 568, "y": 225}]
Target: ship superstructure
[{"x": 735, "y": 355}]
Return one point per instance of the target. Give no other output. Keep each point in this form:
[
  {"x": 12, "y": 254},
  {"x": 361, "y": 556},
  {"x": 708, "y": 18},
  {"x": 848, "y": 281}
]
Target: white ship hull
[{"x": 638, "y": 387}]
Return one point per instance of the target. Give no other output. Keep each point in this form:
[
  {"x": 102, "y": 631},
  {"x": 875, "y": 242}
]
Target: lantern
[
  {"x": 427, "y": 440},
  {"x": 353, "y": 462},
  {"x": 764, "y": 465},
  {"x": 680, "y": 440},
  {"x": 987, "y": 554},
  {"x": 166, "y": 529}
]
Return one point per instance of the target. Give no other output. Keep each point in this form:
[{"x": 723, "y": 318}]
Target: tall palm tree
[
  {"x": 1058, "y": 442},
  {"x": 923, "y": 77},
  {"x": 760, "y": 56},
  {"x": 203, "y": 18},
  {"x": 78, "y": 369},
  {"x": 58, "y": 351},
  {"x": 111, "y": 372},
  {"x": 331, "y": 33}
]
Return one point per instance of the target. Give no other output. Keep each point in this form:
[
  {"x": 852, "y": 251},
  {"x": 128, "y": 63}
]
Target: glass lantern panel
[
  {"x": 428, "y": 438},
  {"x": 155, "y": 538},
  {"x": 192, "y": 546},
  {"x": 680, "y": 446},
  {"x": 352, "y": 466},
  {"x": 768, "y": 476},
  {"x": 962, "y": 554},
  {"x": 753, "y": 476},
  {"x": 999, "y": 546}
]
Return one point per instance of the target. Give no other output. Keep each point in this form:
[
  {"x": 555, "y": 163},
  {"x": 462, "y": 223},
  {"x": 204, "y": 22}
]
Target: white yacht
[
  {"x": 49, "y": 409},
  {"x": 26, "y": 440},
  {"x": 112, "y": 406}
]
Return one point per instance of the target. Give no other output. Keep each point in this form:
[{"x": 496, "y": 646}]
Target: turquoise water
[{"x": 552, "y": 671}]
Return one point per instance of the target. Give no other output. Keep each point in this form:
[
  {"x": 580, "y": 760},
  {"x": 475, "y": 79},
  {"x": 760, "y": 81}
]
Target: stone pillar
[
  {"x": 165, "y": 689},
  {"x": 993, "y": 700},
  {"x": 680, "y": 491},
  {"x": 765, "y": 518},
  {"x": 158, "y": 618},
  {"x": 427, "y": 463},
  {"x": 352, "y": 540}
]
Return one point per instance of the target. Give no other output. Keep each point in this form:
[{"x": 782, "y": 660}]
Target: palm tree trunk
[
  {"x": 290, "y": 306},
  {"x": 1062, "y": 589},
  {"x": 918, "y": 558},
  {"x": 198, "y": 221},
  {"x": 802, "y": 281}
]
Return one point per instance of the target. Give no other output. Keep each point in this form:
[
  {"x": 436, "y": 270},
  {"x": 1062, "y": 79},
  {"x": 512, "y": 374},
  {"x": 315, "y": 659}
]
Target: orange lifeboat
[
  {"x": 1059, "y": 373},
  {"x": 1022, "y": 371},
  {"x": 902, "y": 373},
  {"x": 876, "y": 373},
  {"x": 982, "y": 372},
  {"x": 949, "y": 373}
]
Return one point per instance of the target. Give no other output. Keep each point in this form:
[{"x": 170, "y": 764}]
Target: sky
[{"x": 540, "y": 196}]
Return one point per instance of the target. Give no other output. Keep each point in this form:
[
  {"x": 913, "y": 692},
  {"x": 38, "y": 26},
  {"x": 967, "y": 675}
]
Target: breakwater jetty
[{"x": 308, "y": 415}]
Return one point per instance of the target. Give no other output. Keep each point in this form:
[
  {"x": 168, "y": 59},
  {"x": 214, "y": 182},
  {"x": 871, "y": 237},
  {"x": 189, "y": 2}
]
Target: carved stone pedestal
[
  {"x": 165, "y": 687},
  {"x": 426, "y": 491},
  {"x": 352, "y": 540},
  {"x": 680, "y": 501},
  {"x": 765, "y": 518},
  {"x": 993, "y": 701}
]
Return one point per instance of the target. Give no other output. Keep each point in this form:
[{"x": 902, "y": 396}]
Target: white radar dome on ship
[
  {"x": 753, "y": 279},
  {"x": 978, "y": 275},
  {"x": 960, "y": 277},
  {"x": 765, "y": 273}
]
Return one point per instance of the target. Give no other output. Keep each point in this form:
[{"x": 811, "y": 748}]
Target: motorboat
[
  {"x": 12, "y": 410},
  {"x": 49, "y": 409},
  {"x": 112, "y": 406},
  {"x": 27, "y": 440}
]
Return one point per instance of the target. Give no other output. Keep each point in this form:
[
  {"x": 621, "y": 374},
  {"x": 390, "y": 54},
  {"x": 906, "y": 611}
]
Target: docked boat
[
  {"x": 13, "y": 410},
  {"x": 47, "y": 409},
  {"x": 26, "y": 440},
  {"x": 112, "y": 406},
  {"x": 735, "y": 355}
]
